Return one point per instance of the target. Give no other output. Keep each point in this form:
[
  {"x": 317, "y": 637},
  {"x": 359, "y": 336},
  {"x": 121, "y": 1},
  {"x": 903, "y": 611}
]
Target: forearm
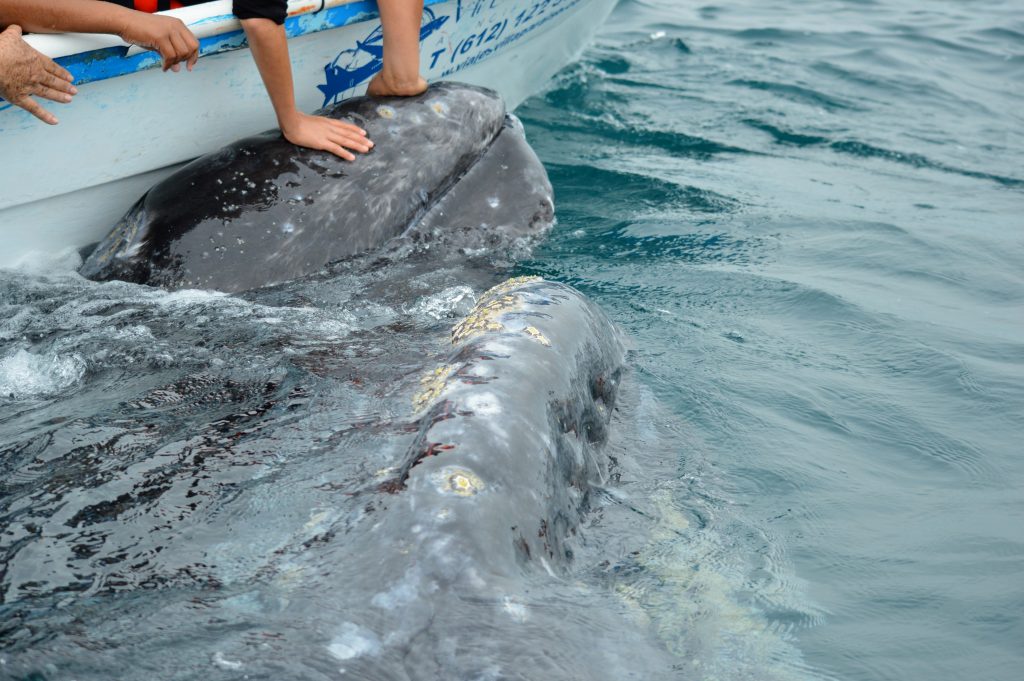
[
  {"x": 80, "y": 16},
  {"x": 269, "y": 47},
  {"x": 401, "y": 19}
]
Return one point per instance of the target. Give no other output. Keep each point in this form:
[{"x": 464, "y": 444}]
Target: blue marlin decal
[{"x": 369, "y": 51}]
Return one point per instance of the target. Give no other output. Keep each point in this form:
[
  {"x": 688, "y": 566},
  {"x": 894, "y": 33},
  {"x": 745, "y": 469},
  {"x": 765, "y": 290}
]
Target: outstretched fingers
[
  {"x": 29, "y": 73},
  {"x": 58, "y": 71},
  {"x": 317, "y": 132},
  {"x": 32, "y": 106},
  {"x": 349, "y": 127},
  {"x": 349, "y": 136},
  {"x": 338, "y": 150},
  {"x": 53, "y": 88},
  {"x": 348, "y": 142}
]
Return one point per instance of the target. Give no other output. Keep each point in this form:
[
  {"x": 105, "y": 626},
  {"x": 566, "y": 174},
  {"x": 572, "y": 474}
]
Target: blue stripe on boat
[{"x": 110, "y": 62}]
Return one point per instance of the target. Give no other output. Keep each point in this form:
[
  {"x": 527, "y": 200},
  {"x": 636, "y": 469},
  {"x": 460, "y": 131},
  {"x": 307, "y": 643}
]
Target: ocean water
[{"x": 808, "y": 219}]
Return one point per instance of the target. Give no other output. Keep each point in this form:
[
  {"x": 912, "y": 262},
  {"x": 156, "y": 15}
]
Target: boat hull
[{"x": 63, "y": 187}]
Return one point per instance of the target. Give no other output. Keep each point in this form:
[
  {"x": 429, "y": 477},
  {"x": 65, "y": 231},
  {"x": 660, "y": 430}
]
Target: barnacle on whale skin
[
  {"x": 459, "y": 481},
  {"x": 535, "y": 333},
  {"x": 509, "y": 285},
  {"x": 495, "y": 302},
  {"x": 432, "y": 385}
]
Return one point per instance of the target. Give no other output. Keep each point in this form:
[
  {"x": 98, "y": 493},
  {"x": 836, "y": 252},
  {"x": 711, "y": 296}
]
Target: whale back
[{"x": 262, "y": 211}]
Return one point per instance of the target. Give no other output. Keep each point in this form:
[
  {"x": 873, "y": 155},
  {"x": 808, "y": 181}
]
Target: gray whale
[
  {"x": 261, "y": 211},
  {"x": 483, "y": 513},
  {"x": 453, "y": 560},
  {"x": 450, "y": 536},
  {"x": 472, "y": 533}
]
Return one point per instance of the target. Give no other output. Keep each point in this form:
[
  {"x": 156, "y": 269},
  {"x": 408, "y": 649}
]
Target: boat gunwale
[{"x": 92, "y": 57}]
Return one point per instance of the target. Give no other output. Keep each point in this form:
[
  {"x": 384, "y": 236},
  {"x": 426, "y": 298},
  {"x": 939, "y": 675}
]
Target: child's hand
[
  {"x": 167, "y": 35},
  {"x": 327, "y": 134}
]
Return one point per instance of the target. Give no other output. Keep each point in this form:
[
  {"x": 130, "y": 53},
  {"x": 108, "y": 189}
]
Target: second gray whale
[{"x": 450, "y": 163}]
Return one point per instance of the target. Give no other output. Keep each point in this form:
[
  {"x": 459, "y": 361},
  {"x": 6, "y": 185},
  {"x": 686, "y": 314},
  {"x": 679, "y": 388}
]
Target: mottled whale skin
[
  {"x": 461, "y": 551},
  {"x": 479, "y": 522},
  {"x": 262, "y": 211}
]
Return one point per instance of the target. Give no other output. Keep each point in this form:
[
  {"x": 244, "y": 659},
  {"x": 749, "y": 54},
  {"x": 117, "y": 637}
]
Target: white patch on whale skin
[
  {"x": 224, "y": 663},
  {"x": 547, "y": 568},
  {"x": 353, "y": 641},
  {"x": 485, "y": 404},
  {"x": 515, "y": 609},
  {"x": 401, "y": 594}
]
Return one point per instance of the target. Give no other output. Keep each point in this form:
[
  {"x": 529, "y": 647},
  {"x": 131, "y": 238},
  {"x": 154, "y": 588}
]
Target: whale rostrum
[{"x": 261, "y": 211}]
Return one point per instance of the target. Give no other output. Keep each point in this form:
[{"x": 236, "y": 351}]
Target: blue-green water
[{"x": 809, "y": 219}]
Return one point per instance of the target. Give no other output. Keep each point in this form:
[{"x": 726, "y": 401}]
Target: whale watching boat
[{"x": 131, "y": 124}]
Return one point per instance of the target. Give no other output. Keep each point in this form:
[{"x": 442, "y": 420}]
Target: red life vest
[{"x": 156, "y": 5}]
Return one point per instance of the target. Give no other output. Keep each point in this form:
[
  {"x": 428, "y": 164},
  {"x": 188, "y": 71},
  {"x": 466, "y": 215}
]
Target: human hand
[
  {"x": 327, "y": 134},
  {"x": 167, "y": 35},
  {"x": 25, "y": 72}
]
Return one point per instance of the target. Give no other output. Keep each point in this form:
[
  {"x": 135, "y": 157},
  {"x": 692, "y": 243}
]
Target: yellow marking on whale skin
[
  {"x": 460, "y": 482},
  {"x": 439, "y": 108},
  {"x": 534, "y": 333},
  {"x": 510, "y": 284},
  {"x": 432, "y": 385},
  {"x": 385, "y": 111}
]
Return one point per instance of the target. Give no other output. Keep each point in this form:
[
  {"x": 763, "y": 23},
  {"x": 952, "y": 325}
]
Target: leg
[{"x": 401, "y": 72}]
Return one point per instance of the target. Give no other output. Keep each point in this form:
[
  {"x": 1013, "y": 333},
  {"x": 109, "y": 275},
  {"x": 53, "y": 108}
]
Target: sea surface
[{"x": 808, "y": 218}]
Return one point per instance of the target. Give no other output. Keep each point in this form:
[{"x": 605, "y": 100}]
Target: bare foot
[{"x": 384, "y": 85}]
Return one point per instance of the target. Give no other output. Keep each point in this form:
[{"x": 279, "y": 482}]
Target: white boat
[{"x": 64, "y": 186}]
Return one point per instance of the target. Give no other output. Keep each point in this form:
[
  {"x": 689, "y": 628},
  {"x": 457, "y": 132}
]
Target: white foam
[
  {"x": 451, "y": 302},
  {"x": 24, "y": 374},
  {"x": 66, "y": 261}
]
